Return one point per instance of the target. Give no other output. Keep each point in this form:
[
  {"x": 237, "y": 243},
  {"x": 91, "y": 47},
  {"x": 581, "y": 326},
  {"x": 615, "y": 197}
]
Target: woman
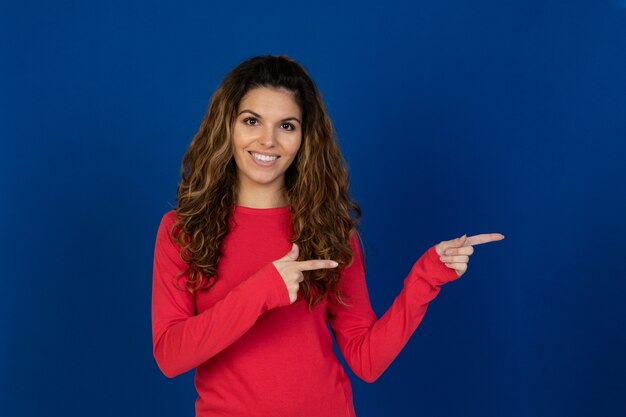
[{"x": 262, "y": 252}]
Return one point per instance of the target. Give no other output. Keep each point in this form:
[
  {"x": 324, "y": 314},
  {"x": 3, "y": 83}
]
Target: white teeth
[{"x": 264, "y": 157}]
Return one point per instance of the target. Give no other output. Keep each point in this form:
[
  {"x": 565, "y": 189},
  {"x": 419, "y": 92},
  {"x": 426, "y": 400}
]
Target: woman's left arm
[{"x": 369, "y": 344}]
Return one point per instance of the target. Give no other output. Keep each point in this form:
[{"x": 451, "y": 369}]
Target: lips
[
  {"x": 263, "y": 163},
  {"x": 264, "y": 153}
]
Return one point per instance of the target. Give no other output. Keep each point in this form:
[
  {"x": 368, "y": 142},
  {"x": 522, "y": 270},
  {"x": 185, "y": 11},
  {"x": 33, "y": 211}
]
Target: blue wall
[{"x": 454, "y": 116}]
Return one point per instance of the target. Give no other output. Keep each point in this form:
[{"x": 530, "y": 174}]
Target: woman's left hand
[{"x": 455, "y": 253}]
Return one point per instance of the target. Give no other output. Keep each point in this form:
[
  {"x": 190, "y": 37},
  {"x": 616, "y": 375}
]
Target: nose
[{"x": 268, "y": 137}]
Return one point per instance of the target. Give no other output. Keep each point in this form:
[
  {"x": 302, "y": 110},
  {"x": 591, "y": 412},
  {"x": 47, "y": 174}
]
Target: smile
[
  {"x": 263, "y": 160},
  {"x": 263, "y": 157}
]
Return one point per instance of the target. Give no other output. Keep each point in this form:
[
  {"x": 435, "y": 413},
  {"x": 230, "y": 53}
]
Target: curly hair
[{"x": 316, "y": 183}]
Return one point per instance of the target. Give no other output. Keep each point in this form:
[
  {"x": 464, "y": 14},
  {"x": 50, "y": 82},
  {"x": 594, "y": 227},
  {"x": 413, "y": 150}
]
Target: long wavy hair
[{"x": 316, "y": 183}]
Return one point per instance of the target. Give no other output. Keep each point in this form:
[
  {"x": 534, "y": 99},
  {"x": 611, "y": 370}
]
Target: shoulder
[
  {"x": 355, "y": 237},
  {"x": 169, "y": 218},
  {"x": 165, "y": 226},
  {"x": 356, "y": 243}
]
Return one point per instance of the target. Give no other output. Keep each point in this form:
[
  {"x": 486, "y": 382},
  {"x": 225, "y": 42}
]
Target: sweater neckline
[{"x": 262, "y": 211}]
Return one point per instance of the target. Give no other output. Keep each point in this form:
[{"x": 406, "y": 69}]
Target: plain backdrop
[{"x": 455, "y": 116}]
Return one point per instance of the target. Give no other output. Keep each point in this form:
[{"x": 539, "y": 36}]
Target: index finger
[
  {"x": 315, "y": 264},
  {"x": 483, "y": 238}
]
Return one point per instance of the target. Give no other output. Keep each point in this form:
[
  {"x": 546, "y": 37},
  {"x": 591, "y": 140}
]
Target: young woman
[{"x": 262, "y": 252}]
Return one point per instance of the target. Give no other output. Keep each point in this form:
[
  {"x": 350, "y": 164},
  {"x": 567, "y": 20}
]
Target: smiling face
[{"x": 267, "y": 134}]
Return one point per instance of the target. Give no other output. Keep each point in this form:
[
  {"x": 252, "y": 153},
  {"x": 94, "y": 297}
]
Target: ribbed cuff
[
  {"x": 278, "y": 294},
  {"x": 439, "y": 274}
]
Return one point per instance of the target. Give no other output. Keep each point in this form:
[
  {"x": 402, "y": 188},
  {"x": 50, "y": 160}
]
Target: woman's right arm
[{"x": 182, "y": 340}]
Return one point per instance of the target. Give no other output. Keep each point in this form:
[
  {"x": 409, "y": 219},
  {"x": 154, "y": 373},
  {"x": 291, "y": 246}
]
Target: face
[{"x": 267, "y": 134}]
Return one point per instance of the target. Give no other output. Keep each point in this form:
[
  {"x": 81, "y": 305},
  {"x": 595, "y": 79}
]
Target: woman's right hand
[{"x": 291, "y": 270}]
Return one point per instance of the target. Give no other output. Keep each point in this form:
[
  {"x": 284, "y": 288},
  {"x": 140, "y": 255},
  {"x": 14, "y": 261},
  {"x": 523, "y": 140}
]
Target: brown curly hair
[{"x": 316, "y": 183}]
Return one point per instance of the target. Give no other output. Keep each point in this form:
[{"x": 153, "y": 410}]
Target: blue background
[{"x": 454, "y": 116}]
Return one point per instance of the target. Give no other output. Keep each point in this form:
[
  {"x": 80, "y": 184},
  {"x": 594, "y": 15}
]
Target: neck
[{"x": 261, "y": 199}]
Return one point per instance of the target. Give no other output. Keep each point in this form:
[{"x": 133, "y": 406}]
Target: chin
[{"x": 265, "y": 181}]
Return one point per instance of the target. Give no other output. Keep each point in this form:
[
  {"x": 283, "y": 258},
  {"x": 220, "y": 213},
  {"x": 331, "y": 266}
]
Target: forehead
[{"x": 270, "y": 100}]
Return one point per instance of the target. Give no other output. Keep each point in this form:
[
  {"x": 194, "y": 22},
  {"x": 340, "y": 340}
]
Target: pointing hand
[
  {"x": 455, "y": 253},
  {"x": 291, "y": 270}
]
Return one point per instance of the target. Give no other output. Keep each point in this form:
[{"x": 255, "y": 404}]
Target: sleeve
[
  {"x": 183, "y": 340},
  {"x": 369, "y": 344}
]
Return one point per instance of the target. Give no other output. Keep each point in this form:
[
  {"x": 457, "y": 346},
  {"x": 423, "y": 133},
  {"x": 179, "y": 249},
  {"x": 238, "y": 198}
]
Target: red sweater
[{"x": 255, "y": 354}]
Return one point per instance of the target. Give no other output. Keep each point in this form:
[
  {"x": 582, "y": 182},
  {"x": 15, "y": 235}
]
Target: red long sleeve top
[{"x": 254, "y": 352}]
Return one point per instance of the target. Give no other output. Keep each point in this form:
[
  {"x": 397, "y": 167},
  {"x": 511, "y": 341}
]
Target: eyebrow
[{"x": 259, "y": 116}]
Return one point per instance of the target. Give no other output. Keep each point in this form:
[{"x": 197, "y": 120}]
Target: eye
[
  {"x": 250, "y": 119},
  {"x": 289, "y": 126}
]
